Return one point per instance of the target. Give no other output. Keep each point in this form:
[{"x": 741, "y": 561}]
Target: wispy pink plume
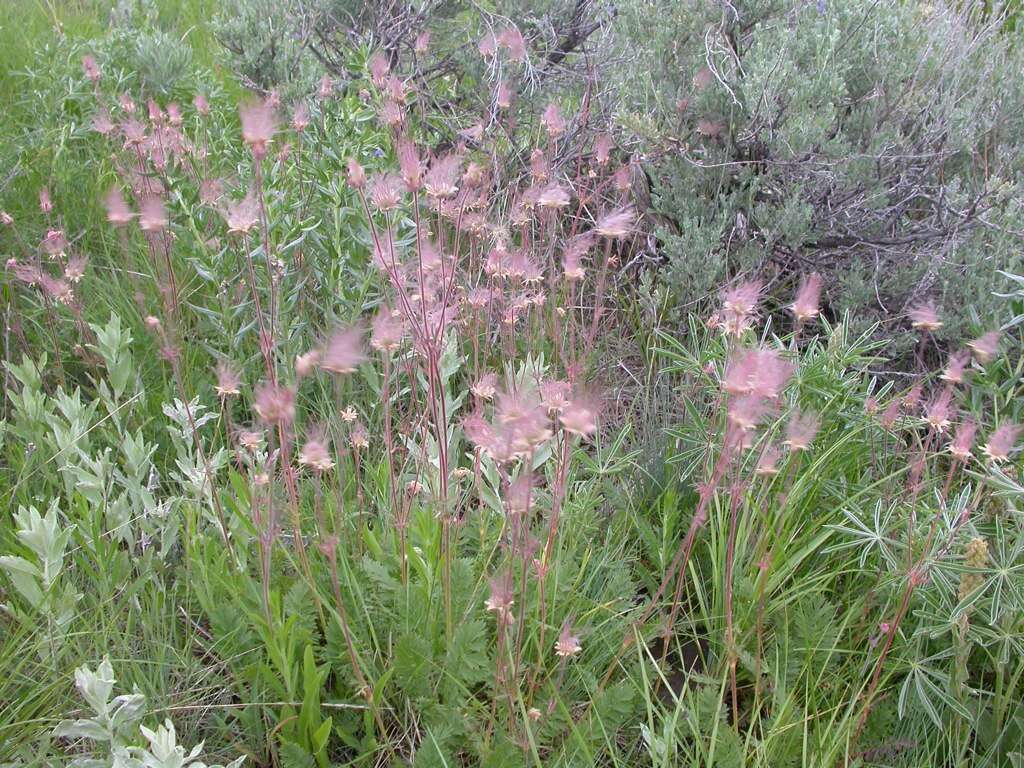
[{"x": 343, "y": 352}]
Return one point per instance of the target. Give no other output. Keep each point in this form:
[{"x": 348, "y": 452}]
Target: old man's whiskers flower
[
  {"x": 259, "y": 124},
  {"x": 1002, "y": 442}
]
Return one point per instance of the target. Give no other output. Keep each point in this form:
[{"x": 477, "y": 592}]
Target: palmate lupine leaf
[{"x": 869, "y": 537}]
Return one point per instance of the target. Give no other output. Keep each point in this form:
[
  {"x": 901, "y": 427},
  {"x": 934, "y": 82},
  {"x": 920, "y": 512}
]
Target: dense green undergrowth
[{"x": 334, "y": 434}]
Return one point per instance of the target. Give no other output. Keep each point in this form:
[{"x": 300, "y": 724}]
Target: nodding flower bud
[
  {"x": 356, "y": 175},
  {"x": 568, "y": 644},
  {"x": 422, "y": 43}
]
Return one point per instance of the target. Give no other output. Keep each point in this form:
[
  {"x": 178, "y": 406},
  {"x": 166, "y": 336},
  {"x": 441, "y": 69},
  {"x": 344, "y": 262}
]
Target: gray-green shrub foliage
[{"x": 878, "y": 143}]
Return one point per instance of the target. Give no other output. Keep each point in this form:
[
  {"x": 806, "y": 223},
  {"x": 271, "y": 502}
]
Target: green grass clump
[{"x": 333, "y": 433}]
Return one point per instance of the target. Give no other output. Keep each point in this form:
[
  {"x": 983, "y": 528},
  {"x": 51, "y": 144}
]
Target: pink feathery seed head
[
  {"x": 474, "y": 176},
  {"x": 808, "y": 297},
  {"x": 385, "y": 191},
  {"x": 702, "y": 79},
  {"x": 326, "y": 89},
  {"x": 242, "y": 215},
  {"x": 963, "y": 440},
  {"x": 767, "y": 463},
  {"x": 211, "y": 191},
  {"x": 134, "y": 133},
  {"x": 623, "y": 178},
  {"x": 127, "y": 105},
  {"x": 503, "y": 95},
  {"x": 156, "y": 115},
  {"x": 913, "y": 397},
  {"x": 617, "y": 224},
  {"x": 572, "y": 265},
  {"x": 174, "y": 116},
  {"x": 603, "y": 146},
  {"x": 343, "y": 352},
  {"x": 890, "y": 414},
  {"x": 359, "y": 436},
  {"x": 485, "y": 387},
  {"x": 746, "y": 411},
  {"x": 430, "y": 257},
  {"x": 422, "y": 43},
  {"x": 801, "y": 430},
  {"x": 924, "y": 317},
  {"x": 985, "y": 347},
  {"x": 478, "y": 430},
  {"x": 315, "y": 452},
  {"x": 391, "y": 114},
  {"x": 741, "y": 300},
  {"x": 937, "y": 413},
  {"x": 306, "y": 363},
  {"x": 54, "y": 243},
  {"x": 45, "y": 203},
  {"x": 956, "y": 367},
  {"x": 488, "y": 45},
  {"x": 579, "y": 415},
  {"x": 553, "y": 197},
  {"x": 397, "y": 90},
  {"x": 202, "y": 106},
  {"x": 274, "y": 404},
  {"x": 259, "y": 124},
  {"x": 441, "y": 180},
  {"x": 553, "y": 121},
  {"x": 554, "y": 394},
  {"x": 759, "y": 372},
  {"x": 388, "y": 331},
  {"x": 57, "y": 289},
  {"x": 300, "y": 116},
  {"x": 525, "y": 418},
  {"x": 473, "y": 133},
  {"x": 152, "y": 214},
  {"x": 567, "y": 645},
  {"x": 379, "y": 68},
  {"x": 1002, "y": 442},
  {"x": 355, "y": 174},
  {"x": 409, "y": 164},
  {"x": 477, "y": 298},
  {"x": 101, "y": 122},
  {"x": 250, "y": 439},
  {"x": 519, "y": 494},
  {"x": 540, "y": 168},
  {"x": 228, "y": 380},
  {"x": 74, "y": 269},
  {"x": 27, "y": 273},
  {"x": 91, "y": 68},
  {"x": 511, "y": 39}
]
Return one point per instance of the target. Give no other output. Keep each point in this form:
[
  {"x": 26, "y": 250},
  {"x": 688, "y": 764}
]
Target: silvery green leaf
[
  {"x": 25, "y": 576},
  {"x": 126, "y": 709},
  {"x": 81, "y": 729},
  {"x": 97, "y": 686}
]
